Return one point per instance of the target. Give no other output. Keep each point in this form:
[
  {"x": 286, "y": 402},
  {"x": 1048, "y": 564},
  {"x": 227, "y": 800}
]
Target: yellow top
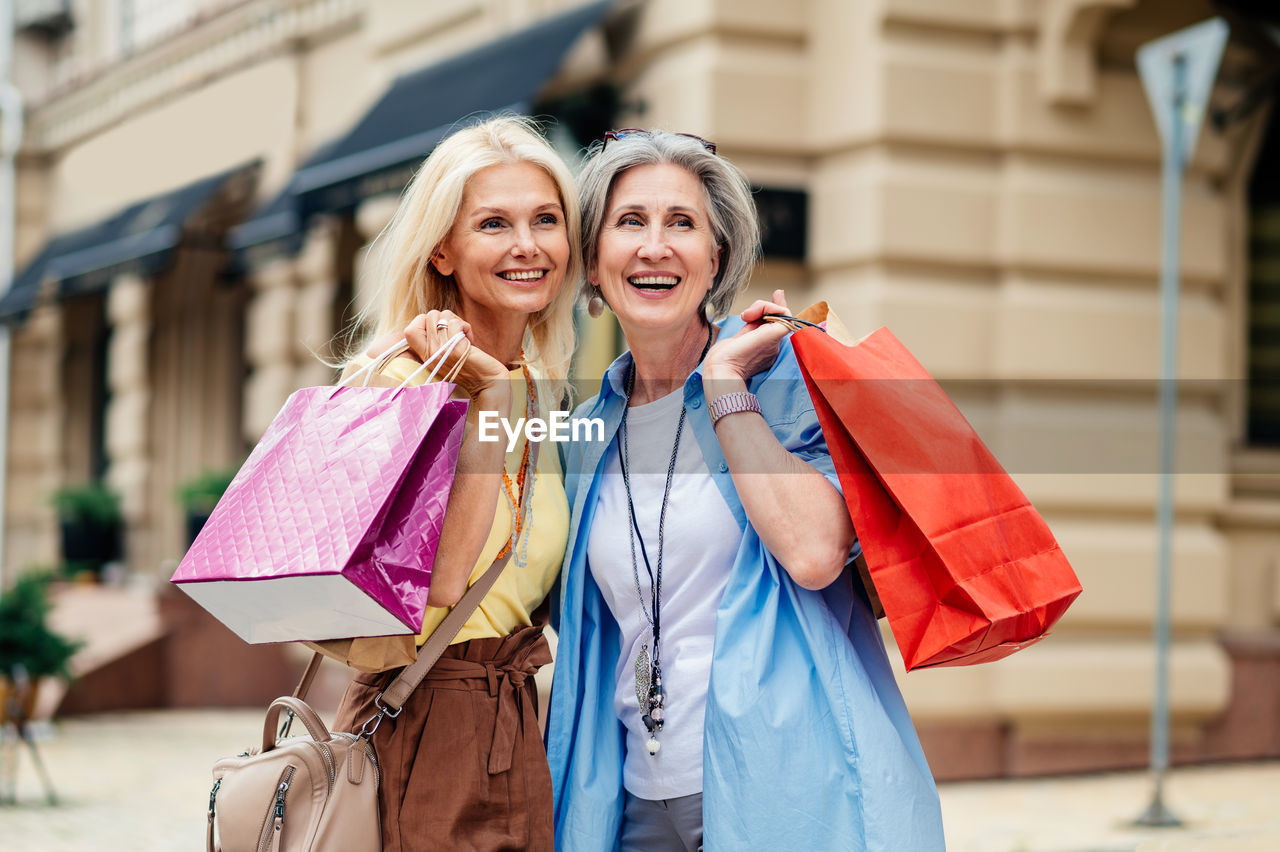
[{"x": 518, "y": 590}]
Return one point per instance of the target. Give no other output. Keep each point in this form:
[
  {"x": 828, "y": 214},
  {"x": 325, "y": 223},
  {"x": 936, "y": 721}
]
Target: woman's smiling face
[
  {"x": 656, "y": 258},
  {"x": 508, "y": 249}
]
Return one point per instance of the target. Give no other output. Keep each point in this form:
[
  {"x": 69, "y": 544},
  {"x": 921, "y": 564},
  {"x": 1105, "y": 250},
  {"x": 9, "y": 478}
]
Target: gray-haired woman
[{"x": 720, "y": 677}]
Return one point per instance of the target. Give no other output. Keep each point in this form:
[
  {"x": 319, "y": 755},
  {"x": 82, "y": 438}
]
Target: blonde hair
[{"x": 409, "y": 284}]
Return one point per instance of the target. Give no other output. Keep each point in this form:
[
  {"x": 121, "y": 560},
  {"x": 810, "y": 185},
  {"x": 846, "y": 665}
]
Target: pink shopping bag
[{"x": 330, "y": 528}]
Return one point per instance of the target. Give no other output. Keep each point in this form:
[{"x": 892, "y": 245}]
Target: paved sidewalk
[
  {"x": 139, "y": 782},
  {"x": 1233, "y": 807}
]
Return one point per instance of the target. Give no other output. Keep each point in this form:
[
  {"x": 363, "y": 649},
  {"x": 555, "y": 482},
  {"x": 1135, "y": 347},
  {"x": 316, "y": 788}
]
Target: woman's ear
[{"x": 442, "y": 263}]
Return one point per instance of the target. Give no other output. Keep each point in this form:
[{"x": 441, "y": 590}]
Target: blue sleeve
[
  {"x": 787, "y": 408},
  {"x": 784, "y": 398}
]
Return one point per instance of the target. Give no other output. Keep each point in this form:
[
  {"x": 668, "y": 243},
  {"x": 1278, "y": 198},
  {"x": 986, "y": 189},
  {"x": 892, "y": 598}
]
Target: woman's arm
[
  {"x": 477, "y": 479},
  {"x": 798, "y": 513},
  {"x": 477, "y": 482}
]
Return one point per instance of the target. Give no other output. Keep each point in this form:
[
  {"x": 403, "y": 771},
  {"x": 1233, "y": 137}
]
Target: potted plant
[
  {"x": 90, "y": 519},
  {"x": 29, "y": 649},
  {"x": 200, "y": 494}
]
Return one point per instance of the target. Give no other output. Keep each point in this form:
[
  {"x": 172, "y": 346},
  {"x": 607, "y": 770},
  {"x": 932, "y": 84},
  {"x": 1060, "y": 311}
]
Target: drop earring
[{"x": 595, "y": 304}]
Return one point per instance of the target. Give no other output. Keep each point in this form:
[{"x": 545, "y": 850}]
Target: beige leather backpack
[{"x": 317, "y": 793}]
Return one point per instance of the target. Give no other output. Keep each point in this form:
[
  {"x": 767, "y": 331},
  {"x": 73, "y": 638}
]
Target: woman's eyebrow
[
  {"x": 676, "y": 208},
  {"x": 502, "y": 211}
]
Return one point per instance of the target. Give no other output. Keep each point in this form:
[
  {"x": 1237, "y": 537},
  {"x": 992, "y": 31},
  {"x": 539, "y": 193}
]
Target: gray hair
[{"x": 729, "y": 205}]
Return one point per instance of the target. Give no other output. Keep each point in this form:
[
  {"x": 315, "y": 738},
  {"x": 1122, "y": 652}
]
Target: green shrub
[
  {"x": 88, "y": 504},
  {"x": 200, "y": 494},
  {"x": 25, "y": 637}
]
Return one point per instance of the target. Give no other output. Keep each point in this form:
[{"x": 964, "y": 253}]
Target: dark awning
[
  {"x": 275, "y": 228},
  {"x": 380, "y": 153},
  {"x": 420, "y": 108},
  {"x": 139, "y": 239}
]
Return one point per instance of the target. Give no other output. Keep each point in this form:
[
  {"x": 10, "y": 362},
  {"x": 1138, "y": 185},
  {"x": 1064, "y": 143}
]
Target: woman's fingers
[
  {"x": 761, "y": 307},
  {"x": 431, "y": 332}
]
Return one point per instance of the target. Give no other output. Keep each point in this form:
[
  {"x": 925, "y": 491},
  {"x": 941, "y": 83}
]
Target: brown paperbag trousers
[{"x": 463, "y": 765}]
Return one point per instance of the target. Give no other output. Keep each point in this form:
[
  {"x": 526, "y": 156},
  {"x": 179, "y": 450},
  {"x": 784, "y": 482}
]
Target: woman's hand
[
  {"x": 752, "y": 349},
  {"x": 428, "y": 333}
]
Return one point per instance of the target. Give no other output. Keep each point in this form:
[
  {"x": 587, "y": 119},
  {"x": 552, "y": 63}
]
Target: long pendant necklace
[{"x": 648, "y": 671}]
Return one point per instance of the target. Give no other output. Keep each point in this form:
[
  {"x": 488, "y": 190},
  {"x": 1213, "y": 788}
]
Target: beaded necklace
[{"x": 510, "y": 489}]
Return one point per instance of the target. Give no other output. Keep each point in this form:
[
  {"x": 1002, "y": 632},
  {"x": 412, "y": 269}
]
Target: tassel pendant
[{"x": 642, "y": 678}]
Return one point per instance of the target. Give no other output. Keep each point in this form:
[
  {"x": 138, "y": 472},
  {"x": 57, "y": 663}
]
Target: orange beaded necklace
[{"x": 514, "y": 490}]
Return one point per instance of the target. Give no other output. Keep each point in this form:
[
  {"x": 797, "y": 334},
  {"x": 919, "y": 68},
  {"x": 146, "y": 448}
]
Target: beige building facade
[{"x": 981, "y": 176}]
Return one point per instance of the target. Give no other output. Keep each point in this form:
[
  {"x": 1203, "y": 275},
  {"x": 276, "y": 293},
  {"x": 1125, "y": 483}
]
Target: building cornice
[{"x": 212, "y": 47}]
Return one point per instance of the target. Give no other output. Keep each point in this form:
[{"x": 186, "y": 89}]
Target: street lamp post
[{"x": 1177, "y": 72}]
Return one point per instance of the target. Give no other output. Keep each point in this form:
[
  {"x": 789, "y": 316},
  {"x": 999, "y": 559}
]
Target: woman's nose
[
  {"x": 525, "y": 245},
  {"x": 654, "y": 246}
]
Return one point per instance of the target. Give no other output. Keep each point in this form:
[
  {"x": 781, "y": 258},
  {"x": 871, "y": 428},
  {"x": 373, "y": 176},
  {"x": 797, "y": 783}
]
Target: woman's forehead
[
  {"x": 505, "y": 184},
  {"x": 658, "y": 185}
]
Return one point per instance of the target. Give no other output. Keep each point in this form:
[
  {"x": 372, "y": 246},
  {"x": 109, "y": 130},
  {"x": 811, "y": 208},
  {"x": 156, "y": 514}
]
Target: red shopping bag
[{"x": 966, "y": 569}]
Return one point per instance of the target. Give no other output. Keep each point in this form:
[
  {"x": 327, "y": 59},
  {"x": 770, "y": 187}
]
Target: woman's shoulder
[{"x": 587, "y": 406}]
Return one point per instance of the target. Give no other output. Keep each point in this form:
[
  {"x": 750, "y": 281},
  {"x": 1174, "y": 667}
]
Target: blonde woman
[{"x": 483, "y": 243}]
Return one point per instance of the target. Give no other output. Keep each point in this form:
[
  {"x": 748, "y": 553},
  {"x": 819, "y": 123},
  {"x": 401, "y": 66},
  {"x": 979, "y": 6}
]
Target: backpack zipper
[
  {"x": 328, "y": 762},
  {"x": 213, "y": 795},
  {"x": 274, "y": 825}
]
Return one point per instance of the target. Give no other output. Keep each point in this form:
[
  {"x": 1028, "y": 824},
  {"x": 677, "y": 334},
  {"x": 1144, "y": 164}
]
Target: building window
[{"x": 1264, "y": 293}]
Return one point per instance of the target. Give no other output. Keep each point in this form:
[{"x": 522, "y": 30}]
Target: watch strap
[{"x": 733, "y": 403}]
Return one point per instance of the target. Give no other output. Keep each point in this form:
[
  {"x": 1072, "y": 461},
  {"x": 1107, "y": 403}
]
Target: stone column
[
  {"x": 269, "y": 334},
  {"x": 371, "y": 217},
  {"x": 129, "y": 397},
  {"x": 316, "y": 279},
  {"x": 34, "y": 465}
]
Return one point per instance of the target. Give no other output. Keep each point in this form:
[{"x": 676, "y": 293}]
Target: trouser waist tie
[{"x": 506, "y": 681}]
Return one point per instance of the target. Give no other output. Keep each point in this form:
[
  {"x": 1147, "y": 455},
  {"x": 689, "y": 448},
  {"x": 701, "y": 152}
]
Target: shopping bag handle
[
  {"x": 793, "y": 323},
  {"x": 436, "y": 361},
  {"x": 378, "y": 364}
]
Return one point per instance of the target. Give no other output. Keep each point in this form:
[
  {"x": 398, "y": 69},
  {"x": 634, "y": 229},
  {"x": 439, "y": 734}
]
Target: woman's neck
[
  {"x": 662, "y": 362},
  {"x": 499, "y": 334}
]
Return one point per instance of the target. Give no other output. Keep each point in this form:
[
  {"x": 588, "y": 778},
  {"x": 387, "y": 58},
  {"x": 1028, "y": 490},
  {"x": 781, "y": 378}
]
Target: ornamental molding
[
  {"x": 240, "y": 36},
  {"x": 1069, "y": 34}
]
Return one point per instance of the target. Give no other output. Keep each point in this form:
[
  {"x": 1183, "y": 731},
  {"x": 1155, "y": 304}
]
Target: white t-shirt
[{"x": 700, "y": 544}]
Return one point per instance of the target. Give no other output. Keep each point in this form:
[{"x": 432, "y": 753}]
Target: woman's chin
[
  {"x": 658, "y": 318},
  {"x": 527, "y": 302}
]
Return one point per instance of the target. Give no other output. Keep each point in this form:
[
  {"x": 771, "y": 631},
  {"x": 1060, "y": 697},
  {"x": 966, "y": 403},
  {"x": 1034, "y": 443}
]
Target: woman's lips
[
  {"x": 653, "y": 281},
  {"x": 523, "y": 276}
]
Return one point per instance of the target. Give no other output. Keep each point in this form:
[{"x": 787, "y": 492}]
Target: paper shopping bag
[
  {"x": 370, "y": 653},
  {"x": 330, "y": 528},
  {"x": 966, "y": 569}
]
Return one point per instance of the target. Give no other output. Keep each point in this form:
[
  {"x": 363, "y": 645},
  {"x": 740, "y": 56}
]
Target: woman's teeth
[
  {"x": 530, "y": 275},
  {"x": 653, "y": 282}
]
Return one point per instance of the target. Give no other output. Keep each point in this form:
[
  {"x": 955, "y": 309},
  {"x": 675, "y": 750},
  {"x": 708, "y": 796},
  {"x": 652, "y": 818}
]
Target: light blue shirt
[{"x": 807, "y": 742}]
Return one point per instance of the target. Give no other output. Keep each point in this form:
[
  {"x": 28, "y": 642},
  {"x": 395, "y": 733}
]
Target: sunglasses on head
[{"x": 624, "y": 132}]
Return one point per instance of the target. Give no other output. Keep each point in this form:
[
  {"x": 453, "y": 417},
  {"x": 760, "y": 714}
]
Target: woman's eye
[
  {"x": 548, "y": 219},
  {"x": 630, "y": 221},
  {"x": 491, "y": 224},
  {"x": 682, "y": 222}
]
